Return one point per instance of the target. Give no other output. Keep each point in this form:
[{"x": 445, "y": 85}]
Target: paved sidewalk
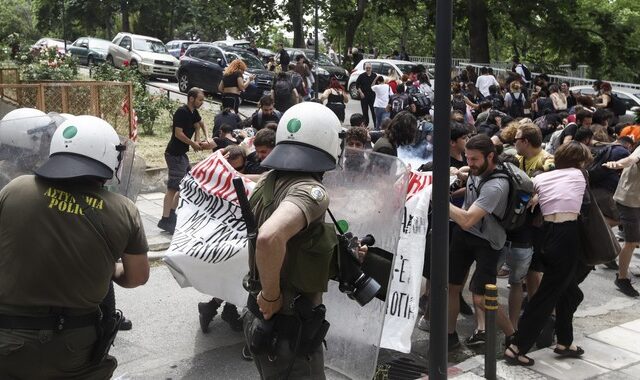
[
  {"x": 609, "y": 354},
  {"x": 150, "y": 207}
]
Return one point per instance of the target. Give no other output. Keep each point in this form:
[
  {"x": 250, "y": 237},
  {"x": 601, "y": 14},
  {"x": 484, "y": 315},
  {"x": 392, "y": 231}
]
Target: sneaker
[
  {"x": 624, "y": 285},
  {"x": 167, "y": 225},
  {"x": 231, "y": 316},
  {"x": 424, "y": 324},
  {"x": 478, "y": 338},
  {"x": 246, "y": 354},
  {"x": 453, "y": 341},
  {"x": 612, "y": 265},
  {"x": 465, "y": 309},
  {"x": 206, "y": 311},
  {"x": 125, "y": 324}
]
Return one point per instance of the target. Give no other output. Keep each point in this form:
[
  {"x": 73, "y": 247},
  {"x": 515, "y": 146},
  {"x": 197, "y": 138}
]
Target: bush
[
  {"x": 46, "y": 64},
  {"x": 148, "y": 107}
]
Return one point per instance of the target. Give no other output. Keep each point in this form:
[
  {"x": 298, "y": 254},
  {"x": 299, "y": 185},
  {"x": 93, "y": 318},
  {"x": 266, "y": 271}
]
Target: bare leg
[
  {"x": 169, "y": 202},
  {"x": 515, "y": 303},
  {"x": 454, "y": 307},
  {"x": 533, "y": 283},
  {"x": 478, "y": 307},
  {"x": 625, "y": 258}
]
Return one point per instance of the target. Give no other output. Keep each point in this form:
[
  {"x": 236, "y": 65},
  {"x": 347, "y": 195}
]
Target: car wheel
[
  {"x": 353, "y": 91},
  {"x": 183, "y": 82},
  {"x": 110, "y": 61},
  {"x": 133, "y": 64}
]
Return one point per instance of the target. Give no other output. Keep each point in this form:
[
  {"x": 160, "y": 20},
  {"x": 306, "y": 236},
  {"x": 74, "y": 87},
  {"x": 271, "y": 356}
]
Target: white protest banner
[
  {"x": 209, "y": 247},
  {"x": 404, "y": 286}
]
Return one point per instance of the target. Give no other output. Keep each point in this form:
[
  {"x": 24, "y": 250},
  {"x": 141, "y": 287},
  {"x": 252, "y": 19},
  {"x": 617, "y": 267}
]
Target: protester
[
  {"x": 264, "y": 142},
  {"x": 336, "y": 97},
  {"x": 283, "y": 57},
  {"x": 366, "y": 94},
  {"x": 284, "y": 92},
  {"x": 382, "y": 94},
  {"x": 232, "y": 84},
  {"x": 226, "y": 116},
  {"x": 402, "y": 130},
  {"x": 265, "y": 113}
]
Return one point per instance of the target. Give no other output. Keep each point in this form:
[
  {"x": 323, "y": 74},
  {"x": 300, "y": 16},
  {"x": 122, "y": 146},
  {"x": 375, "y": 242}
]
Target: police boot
[
  {"x": 208, "y": 310},
  {"x": 231, "y": 316},
  {"x": 125, "y": 324}
]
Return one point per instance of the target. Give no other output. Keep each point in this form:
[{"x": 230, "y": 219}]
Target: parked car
[
  {"x": 380, "y": 67},
  {"x": 46, "y": 42},
  {"x": 177, "y": 47},
  {"x": 202, "y": 66},
  {"x": 266, "y": 54},
  {"x": 233, "y": 43},
  {"x": 629, "y": 96},
  {"x": 148, "y": 54},
  {"x": 325, "y": 67},
  {"x": 89, "y": 50}
]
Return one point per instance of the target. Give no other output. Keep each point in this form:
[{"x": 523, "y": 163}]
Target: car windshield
[
  {"x": 249, "y": 59},
  {"x": 149, "y": 45},
  {"x": 323, "y": 59},
  {"x": 99, "y": 44},
  {"x": 405, "y": 67},
  {"x": 243, "y": 45}
]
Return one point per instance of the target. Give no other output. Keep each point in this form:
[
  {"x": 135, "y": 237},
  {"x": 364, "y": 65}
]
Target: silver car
[
  {"x": 148, "y": 54},
  {"x": 629, "y": 96}
]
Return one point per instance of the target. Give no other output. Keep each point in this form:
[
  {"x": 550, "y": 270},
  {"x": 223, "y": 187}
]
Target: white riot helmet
[
  {"x": 306, "y": 140},
  {"x": 83, "y": 146},
  {"x": 18, "y": 126}
]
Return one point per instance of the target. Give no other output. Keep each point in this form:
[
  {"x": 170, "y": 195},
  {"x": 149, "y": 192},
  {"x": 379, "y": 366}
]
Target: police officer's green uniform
[
  {"x": 60, "y": 236},
  {"x": 307, "y": 144}
]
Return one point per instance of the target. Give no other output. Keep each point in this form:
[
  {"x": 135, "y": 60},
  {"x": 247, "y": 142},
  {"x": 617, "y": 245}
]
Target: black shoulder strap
[{"x": 497, "y": 173}]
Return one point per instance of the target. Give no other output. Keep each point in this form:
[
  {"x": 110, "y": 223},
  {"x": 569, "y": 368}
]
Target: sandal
[
  {"x": 515, "y": 359},
  {"x": 567, "y": 352}
]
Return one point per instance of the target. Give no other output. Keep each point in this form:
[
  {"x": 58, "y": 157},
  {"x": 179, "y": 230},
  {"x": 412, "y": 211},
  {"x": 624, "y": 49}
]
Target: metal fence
[{"x": 110, "y": 101}]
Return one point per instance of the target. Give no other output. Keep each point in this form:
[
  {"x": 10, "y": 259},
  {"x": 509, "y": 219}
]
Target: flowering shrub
[{"x": 46, "y": 64}]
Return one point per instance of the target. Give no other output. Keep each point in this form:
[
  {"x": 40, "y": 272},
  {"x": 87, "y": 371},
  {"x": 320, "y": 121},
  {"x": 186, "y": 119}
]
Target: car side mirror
[
  {"x": 219, "y": 61},
  {"x": 128, "y": 47}
]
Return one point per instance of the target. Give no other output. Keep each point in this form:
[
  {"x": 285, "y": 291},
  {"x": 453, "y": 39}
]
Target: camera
[{"x": 356, "y": 284}]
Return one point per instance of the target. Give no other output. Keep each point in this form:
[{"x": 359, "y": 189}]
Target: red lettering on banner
[{"x": 417, "y": 182}]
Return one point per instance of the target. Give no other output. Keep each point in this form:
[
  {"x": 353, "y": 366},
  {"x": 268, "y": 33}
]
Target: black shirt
[
  {"x": 185, "y": 119},
  {"x": 231, "y": 80},
  {"x": 284, "y": 58},
  {"x": 569, "y": 130},
  {"x": 259, "y": 120},
  {"x": 223, "y": 142},
  {"x": 223, "y": 117},
  {"x": 364, "y": 83},
  {"x": 252, "y": 165}
]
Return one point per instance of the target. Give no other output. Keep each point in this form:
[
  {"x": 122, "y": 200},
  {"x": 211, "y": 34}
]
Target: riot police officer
[
  {"x": 62, "y": 234},
  {"x": 291, "y": 265}
]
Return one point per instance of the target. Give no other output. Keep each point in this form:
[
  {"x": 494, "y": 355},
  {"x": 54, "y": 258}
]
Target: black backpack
[
  {"x": 399, "y": 103},
  {"x": 458, "y": 104},
  {"x": 596, "y": 171},
  {"x": 517, "y": 105},
  {"x": 297, "y": 82},
  {"x": 617, "y": 106},
  {"x": 520, "y": 192},
  {"x": 282, "y": 91},
  {"x": 527, "y": 72},
  {"x": 497, "y": 102}
]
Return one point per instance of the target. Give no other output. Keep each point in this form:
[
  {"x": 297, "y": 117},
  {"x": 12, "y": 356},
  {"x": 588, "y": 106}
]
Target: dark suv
[
  {"x": 202, "y": 66},
  {"x": 326, "y": 67}
]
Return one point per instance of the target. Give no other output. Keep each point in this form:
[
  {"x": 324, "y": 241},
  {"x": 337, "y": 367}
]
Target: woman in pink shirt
[{"x": 559, "y": 193}]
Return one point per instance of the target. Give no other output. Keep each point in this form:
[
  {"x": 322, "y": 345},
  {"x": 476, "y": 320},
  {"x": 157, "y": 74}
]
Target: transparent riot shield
[
  {"x": 367, "y": 193},
  {"x": 128, "y": 179},
  {"x": 25, "y": 137}
]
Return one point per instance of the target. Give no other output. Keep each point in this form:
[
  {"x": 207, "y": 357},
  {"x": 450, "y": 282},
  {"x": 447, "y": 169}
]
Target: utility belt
[
  {"x": 54, "y": 321},
  {"x": 305, "y": 330}
]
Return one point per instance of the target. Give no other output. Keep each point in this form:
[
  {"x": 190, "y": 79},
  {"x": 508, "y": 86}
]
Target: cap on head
[
  {"x": 306, "y": 140},
  {"x": 83, "y": 146}
]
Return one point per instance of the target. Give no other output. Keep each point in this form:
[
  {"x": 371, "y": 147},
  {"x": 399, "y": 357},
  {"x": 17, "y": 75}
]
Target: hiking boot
[
  {"x": 545, "y": 339},
  {"x": 478, "y": 337},
  {"x": 206, "y": 311},
  {"x": 231, "y": 316},
  {"x": 166, "y": 224},
  {"x": 612, "y": 265},
  {"x": 424, "y": 324},
  {"x": 624, "y": 285},
  {"x": 453, "y": 341},
  {"x": 125, "y": 324},
  {"x": 465, "y": 309}
]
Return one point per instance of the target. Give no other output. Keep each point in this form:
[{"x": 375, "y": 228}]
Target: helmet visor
[
  {"x": 69, "y": 165},
  {"x": 299, "y": 157}
]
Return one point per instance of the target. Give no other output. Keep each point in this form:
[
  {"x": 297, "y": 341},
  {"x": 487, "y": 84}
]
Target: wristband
[{"x": 270, "y": 301}]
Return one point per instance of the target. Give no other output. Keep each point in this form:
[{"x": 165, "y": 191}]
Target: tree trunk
[
  {"x": 124, "y": 9},
  {"x": 352, "y": 25},
  {"x": 478, "y": 31},
  {"x": 294, "y": 9}
]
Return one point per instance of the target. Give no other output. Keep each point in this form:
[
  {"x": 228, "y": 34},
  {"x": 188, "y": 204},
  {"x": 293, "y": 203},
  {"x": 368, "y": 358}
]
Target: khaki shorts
[{"x": 630, "y": 221}]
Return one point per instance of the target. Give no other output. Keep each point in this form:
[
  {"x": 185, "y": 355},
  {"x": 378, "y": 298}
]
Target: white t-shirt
[
  {"x": 483, "y": 82},
  {"x": 383, "y": 92}
]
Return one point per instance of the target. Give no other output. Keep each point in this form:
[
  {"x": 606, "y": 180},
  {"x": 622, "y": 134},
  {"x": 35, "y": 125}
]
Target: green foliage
[
  {"x": 148, "y": 107},
  {"x": 17, "y": 18},
  {"x": 46, "y": 64}
]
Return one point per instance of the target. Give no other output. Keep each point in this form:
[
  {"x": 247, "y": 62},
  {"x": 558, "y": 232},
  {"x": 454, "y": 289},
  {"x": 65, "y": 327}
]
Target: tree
[{"x": 478, "y": 31}]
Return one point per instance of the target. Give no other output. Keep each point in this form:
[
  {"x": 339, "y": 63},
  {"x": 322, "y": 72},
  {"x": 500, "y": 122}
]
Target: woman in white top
[
  {"x": 559, "y": 193},
  {"x": 383, "y": 92}
]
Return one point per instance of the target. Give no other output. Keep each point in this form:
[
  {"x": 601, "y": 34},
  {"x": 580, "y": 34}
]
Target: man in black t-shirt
[
  {"x": 283, "y": 57},
  {"x": 186, "y": 123},
  {"x": 583, "y": 119},
  {"x": 367, "y": 96},
  {"x": 265, "y": 114}
]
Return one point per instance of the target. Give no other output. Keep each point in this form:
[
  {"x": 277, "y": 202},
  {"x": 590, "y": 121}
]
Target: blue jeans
[{"x": 381, "y": 115}]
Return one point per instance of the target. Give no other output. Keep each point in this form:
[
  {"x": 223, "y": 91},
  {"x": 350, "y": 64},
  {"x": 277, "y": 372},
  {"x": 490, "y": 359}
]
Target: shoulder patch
[{"x": 317, "y": 193}]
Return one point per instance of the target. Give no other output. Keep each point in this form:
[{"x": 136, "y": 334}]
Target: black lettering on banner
[{"x": 400, "y": 305}]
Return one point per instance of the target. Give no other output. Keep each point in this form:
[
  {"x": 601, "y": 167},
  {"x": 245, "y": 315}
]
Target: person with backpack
[
  {"x": 284, "y": 94},
  {"x": 336, "y": 97},
  {"x": 610, "y": 101},
  {"x": 265, "y": 114},
  {"x": 297, "y": 81},
  {"x": 515, "y": 100},
  {"x": 478, "y": 235},
  {"x": 496, "y": 98},
  {"x": 400, "y": 102},
  {"x": 522, "y": 70},
  {"x": 559, "y": 193}
]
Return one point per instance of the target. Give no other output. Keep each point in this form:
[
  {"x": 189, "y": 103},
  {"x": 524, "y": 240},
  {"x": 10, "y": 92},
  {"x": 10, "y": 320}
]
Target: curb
[{"x": 156, "y": 256}]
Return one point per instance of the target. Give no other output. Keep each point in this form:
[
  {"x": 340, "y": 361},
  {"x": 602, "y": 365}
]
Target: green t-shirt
[{"x": 50, "y": 252}]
